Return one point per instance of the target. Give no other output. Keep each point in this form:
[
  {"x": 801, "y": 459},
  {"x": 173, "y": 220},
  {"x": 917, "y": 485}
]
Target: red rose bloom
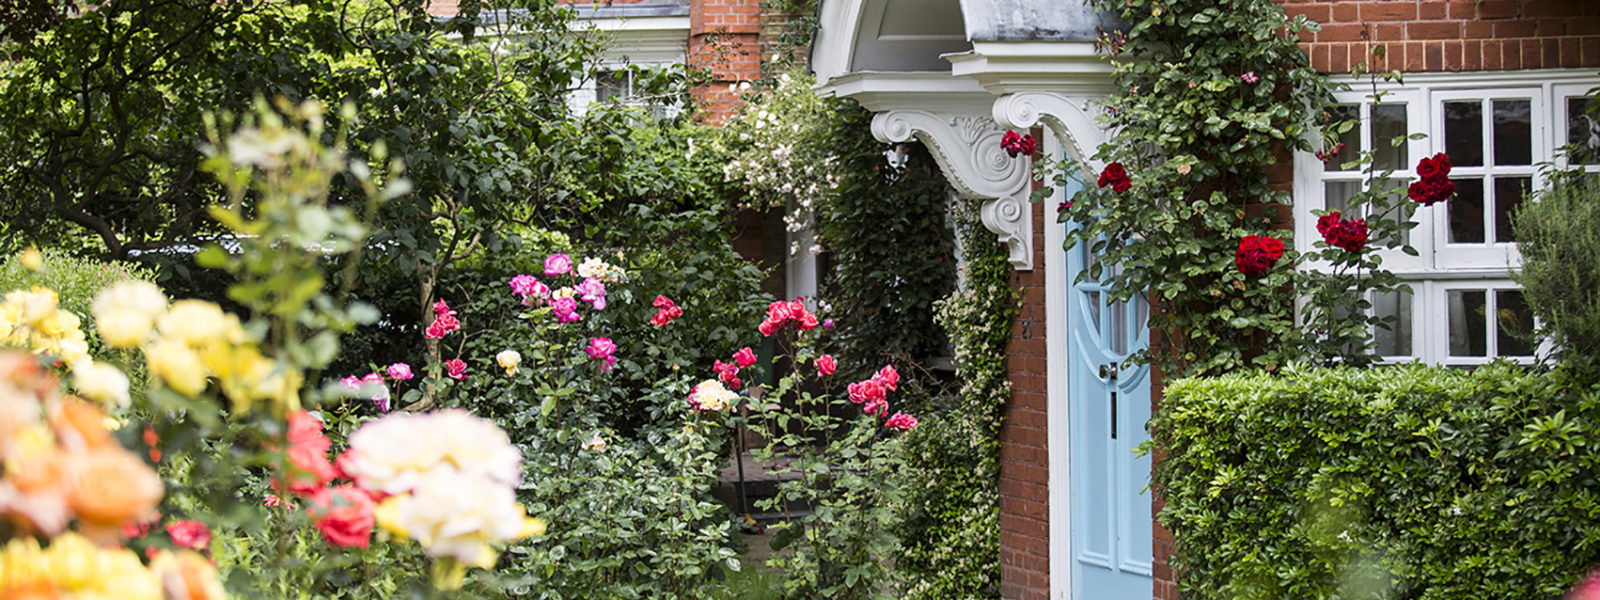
[
  {"x": 344, "y": 515},
  {"x": 1434, "y": 183},
  {"x": 1015, "y": 144},
  {"x": 1339, "y": 232},
  {"x": 1116, "y": 177},
  {"x": 1257, "y": 254}
]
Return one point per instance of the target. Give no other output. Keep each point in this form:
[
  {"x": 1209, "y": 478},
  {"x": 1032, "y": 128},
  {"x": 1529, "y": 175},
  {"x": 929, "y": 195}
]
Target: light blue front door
[{"x": 1109, "y": 403}]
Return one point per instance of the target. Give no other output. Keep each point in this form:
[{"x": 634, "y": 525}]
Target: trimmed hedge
[{"x": 1394, "y": 482}]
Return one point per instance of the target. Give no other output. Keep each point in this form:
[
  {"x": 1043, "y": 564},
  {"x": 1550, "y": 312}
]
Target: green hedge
[{"x": 1394, "y": 482}]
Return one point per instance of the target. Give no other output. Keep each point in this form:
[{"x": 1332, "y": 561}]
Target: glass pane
[
  {"x": 1466, "y": 212},
  {"x": 1513, "y": 323},
  {"x": 1336, "y": 194},
  {"x": 1513, "y": 132},
  {"x": 1397, "y": 187},
  {"x": 1091, "y": 301},
  {"x": 1467, "y": 323},
  {"x": 1463, "y": 132},
  {"x": 1583, "y": 131},
  {"x": 1118, "y": 332},
  {"x": 611, "y": 85},
  {"x": 1087, "y": 258},
  {"x": 1388, "y": 122},
  {"x": 1394, "y": 340},
  {"x": 1348, "y": 144},
  {"x": 1508, "y": 194}
]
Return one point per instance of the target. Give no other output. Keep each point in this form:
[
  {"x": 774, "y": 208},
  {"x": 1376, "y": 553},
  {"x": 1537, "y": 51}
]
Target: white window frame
[{"x": 1441, "y": 267}]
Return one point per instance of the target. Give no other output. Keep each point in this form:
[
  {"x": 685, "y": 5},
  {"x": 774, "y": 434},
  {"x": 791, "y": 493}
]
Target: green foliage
[
  {"x": 953, "y": 456},
  {"x": 846, "y": 464},
  {"x": 1198, "y": 140},
  {"x": 1389, "y": 482},
  {"x": 1561, "y": 265},
  {"x": 882, "y": 228}
]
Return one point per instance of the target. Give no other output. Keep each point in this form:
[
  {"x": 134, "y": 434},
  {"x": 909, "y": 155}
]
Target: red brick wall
[
  {"x": 724, "y": 39},
  {"x": 1024, "y": 452},
  {"x": 1452, "y": 35}
]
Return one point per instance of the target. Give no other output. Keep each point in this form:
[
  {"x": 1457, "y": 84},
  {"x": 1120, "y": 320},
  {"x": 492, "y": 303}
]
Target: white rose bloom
[
  {"x": 393, "y": 454},
  {"x": 456, "y": 514},
  {"x": 594, "y": 268}
]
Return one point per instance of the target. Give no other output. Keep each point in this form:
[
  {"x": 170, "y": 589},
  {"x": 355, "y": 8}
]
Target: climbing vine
[{"x": 1211, "y": 97}]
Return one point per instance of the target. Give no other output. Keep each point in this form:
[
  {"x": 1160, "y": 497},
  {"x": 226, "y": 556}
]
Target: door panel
[{"x": 1108, "y": 406}]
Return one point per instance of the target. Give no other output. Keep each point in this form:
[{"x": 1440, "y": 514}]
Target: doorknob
[{"x": 1108, "y": 370}]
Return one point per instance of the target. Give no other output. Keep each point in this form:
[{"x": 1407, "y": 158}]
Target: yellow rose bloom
[
  {"x": 32, "y": 259},
  {"x": 194, "y": 322},
  {"x": 179, "y": 367},
  {"x": 123, "y": 328}
]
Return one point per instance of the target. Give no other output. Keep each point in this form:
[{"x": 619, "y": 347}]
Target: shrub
[
  {"x": 1393, "y": 482},
  {"x": 75, "y": 280},
  {"x": 1560, "y": 273}
]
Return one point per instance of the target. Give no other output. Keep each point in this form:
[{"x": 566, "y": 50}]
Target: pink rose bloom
[
  {"x": 609, "y": 363},
  {"x": 344, "y": 515},
  {"x": 866, "y": 391},
  {"x": 600, "y": 348},
  {"x": 443, "y": 324},
  {"x": 557, "y": 264},
  {"x": 1588, "y": 589},
  {"x": 744, "y": 357},
  {"x": 825, "y": 365},
  {"x": 440, "y": 308},
  {"x": 593, "y": 292},
  {"x": 767, "y": 328},
  {"x": 876, "y": 408},
  {"x": 888, "y": 377},
  {"x": 523, "y": 285},
  {"x": 667, "y": 311},
  {"x": 193, "y": 535},
  {"x": 827, "y": 323},
  {"x": 728, "y": 373},
  {"x": 456, "y": 368},
  {"x": 400, "y": 371},
  {"x": 565, "y": 309},
  {"x": 901, "y": 422},
  {"x": 352, "y": 382}
]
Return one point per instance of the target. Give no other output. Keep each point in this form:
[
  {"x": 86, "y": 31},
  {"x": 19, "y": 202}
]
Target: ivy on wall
[{"x": 953, "y": 459}]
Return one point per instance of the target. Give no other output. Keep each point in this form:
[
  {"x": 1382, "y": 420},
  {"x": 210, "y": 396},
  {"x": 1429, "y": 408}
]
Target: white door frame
[{"x": 1058, "y": 438}]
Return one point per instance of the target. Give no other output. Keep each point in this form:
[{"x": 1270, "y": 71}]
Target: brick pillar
[
  {"x": 1024, "y": 437},
  {"x": 724, "y": 41}
]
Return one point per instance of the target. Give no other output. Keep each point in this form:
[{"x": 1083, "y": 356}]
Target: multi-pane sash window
[{"x": 1498, "y": 130}]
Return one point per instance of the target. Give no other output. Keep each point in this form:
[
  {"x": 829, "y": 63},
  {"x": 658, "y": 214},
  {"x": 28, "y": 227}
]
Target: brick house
[{"x": 1498, "y": 84}]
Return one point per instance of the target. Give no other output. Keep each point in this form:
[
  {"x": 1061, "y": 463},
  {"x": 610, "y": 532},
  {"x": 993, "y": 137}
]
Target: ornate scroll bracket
[
  {"x": 1070, "y": 118},
  {"x": 968, "y": 150}
]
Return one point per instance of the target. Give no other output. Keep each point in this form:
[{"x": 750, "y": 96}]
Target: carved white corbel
[
  {"x": 1070, "y": 118},
  {"x": 968, "y": 150}
]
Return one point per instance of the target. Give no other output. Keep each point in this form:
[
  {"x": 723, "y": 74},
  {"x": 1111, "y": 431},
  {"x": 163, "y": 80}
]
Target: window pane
[
  {"x": 1513, "y": 133},
  {"x": 611, "y": 85},
  {"x": 1514, "y": 323},
  {"x": 1466, "y": 212},
  {"x": 1336, "y": 194},
  {"x": 1388, "y": 122},
  {"x": 1508, "y": 194},
  {"x": 1467, "y": 335},
  {"x": 1349, "y": 140},
  {"x": 1463, "y": 132},
  {"x": 1394, "y": 340},
  {"x": 1583, "y": 131}
]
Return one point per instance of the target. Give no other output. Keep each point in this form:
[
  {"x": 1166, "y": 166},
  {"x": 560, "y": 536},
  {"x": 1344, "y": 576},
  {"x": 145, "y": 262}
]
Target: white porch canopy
[{"x": 955, "y": 74}]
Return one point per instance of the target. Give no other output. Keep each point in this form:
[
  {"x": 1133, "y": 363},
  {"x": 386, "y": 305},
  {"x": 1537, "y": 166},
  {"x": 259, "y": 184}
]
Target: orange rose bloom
[
  {"x": 80, "y": 422},
  {"x": 110, "y": 487}
]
